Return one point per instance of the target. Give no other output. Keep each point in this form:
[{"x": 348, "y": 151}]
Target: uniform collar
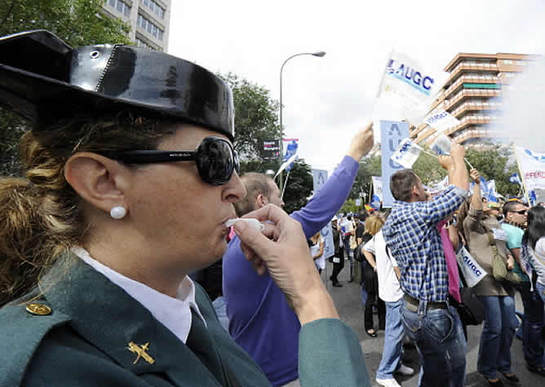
[
  {"x": 110, "y": 319},
  {"x": 174, "y": 313}
]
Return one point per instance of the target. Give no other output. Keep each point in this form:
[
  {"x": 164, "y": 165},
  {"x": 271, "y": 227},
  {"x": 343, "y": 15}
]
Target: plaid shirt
[{"x": 412, "y": 236}]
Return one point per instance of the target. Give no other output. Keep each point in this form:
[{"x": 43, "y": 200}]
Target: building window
[
  {"x": 141, "y": 43},
  {"x": 154, "y": 7},
  {"x": 120, "y": 6},
  {"x": 150, "y": 27}
]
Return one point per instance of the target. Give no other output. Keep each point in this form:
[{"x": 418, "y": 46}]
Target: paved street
[{"x": 348, "y": 302}]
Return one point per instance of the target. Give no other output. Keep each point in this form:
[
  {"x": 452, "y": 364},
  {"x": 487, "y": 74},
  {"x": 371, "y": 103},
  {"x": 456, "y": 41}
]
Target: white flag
[
  {"x": 532, "y": 168},
  {"x": 285, "y": 164},
  {"x": 441, "y": 120},
  {"x": 406, "y": 153}
]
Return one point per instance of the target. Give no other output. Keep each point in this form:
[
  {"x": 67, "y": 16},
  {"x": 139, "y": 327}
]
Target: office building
[
  {"x": 472, "y": 93},
  {"x": 149, "y": 20}
]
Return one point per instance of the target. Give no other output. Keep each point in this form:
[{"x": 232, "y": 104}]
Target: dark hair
[
  {"x": 402, "y": 183},
  {"x": 42, "y": 216},
  {"x": 510, "y": 205},
  {"x": 536, "y": 225},
  {"x": 255, "y": 183}
]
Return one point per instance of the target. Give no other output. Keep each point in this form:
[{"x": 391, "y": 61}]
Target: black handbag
[{"x": 471, "y": 309}]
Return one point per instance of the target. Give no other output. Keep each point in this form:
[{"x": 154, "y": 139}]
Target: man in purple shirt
[{"x": 260, "y": 319}]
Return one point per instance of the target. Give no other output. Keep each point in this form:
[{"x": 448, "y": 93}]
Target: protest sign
[
  {"x": 406, "y": 89},
  {"x": 406, "y": 153},
  {"x": 472, "y": 272},
  {"x": 441, "y": 120},
  {"x": 441, "y": 145},
  {"x": 532, "y": 168},
  {"x": 377, "y": 196},
  {"x": 392, "y": 133}
]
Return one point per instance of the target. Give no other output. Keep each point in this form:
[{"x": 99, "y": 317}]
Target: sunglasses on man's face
[
  {"x": 521, "y": 212},
  {"x": 215, "y": 157}
]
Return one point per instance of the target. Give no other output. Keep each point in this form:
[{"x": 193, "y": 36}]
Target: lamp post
[{"x": 318, "y": 54}]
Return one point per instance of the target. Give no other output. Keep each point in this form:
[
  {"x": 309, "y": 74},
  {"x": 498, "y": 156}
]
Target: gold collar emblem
[{"x": 140, "y": 350}]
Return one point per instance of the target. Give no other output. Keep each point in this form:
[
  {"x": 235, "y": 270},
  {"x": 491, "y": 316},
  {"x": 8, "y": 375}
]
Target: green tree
[
  {"x": 495, "y": 163},
  {"x": 299, "y": 186},
  {"x": 369, "y": 166},
  {"x": 77, "y": 22},
  {"x": 256, "y": 117}
]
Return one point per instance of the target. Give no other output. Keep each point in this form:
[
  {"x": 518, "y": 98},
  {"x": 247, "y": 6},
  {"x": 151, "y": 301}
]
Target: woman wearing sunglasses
[{"x": 130, "y": 176}]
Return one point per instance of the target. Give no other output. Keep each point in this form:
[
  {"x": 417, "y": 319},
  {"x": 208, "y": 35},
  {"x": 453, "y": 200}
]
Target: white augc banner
[
  {"x": 406, "y": 89},
  {"x": 532, "y": 168},
  {"x": 441, "y": 120},
  {"x": 473, "y": 272},
  {"x": 406, "y": 153}
]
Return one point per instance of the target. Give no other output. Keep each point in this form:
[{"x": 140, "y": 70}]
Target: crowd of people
[{"x": 130, "y": 175}]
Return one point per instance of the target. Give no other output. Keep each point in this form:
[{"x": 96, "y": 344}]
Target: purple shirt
[{"x": 260, "y": 319}]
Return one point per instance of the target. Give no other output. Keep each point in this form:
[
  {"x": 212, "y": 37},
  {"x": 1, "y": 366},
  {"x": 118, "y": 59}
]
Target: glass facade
[
  {"x": 120, "y": 6},
  {"x": 154, "y": 7},
  {"x": 150, "y": 27}
]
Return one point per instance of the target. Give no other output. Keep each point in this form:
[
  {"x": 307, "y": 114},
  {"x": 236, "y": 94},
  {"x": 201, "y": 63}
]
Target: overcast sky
[{"x": 326, "y": 100}]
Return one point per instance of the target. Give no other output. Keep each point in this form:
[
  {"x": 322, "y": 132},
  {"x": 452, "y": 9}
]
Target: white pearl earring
[{"x": 118, "y": 212}]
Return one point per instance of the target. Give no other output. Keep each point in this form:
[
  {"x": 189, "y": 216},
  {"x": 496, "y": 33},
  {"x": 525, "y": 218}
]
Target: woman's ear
[{"x": 97, "y": 179}]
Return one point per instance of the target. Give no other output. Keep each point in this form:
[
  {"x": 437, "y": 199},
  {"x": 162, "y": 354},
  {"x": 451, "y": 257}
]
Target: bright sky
[{"x": 326, "y": 100}]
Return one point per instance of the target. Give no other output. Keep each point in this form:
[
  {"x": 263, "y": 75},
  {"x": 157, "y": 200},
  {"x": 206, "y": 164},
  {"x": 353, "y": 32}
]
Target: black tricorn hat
[{"x": 44, "y": 79}]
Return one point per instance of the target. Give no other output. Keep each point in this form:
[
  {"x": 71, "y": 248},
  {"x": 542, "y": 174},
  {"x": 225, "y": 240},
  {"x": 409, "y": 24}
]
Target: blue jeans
[
  {"x": 540, "y": 289},
  {"x": 497, "y": 335},
  {"x": 533, "y": 342},
  {"x": 440, "y": 342},
  {"x": 393, "y": 340}
]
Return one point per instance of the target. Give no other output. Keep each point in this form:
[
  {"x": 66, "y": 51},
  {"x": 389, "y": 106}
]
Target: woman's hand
[
  {"x": 510, "y": 264},
  {"x": 282, "y": 250}
]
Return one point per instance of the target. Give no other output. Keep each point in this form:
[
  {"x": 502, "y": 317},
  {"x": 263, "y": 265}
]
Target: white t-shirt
[
  {"x": 389, "y": 289},
  {"x": 538, "y": 260},
  {"x": 315, "y": 249}
]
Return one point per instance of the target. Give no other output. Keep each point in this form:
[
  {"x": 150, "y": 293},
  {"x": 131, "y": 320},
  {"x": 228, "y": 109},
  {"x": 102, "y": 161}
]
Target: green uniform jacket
[{"x": 85, "y": 341}]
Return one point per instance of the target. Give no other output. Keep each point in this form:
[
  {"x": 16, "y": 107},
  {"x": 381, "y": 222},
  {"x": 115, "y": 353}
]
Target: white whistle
[{"x": 256, "y": 224}]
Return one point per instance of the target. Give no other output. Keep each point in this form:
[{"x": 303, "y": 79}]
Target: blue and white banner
[
  {"x": 319, "y": 178},
  {"x": 377, "y": 197},
  {"x": 441, "y": 120},
  {"x": 532, "y": 168},
  {"x": 392, "y": 133},
  {"x": 406, "y": 89},
  {"x": 488, "y": 189},
  {"x": 471, "y": 270},
  {"x": 515, "y": 179},
  {"x": 290, "y": 145},
  {"x": 406, "y": 153},
  {"x": 441, "y": 145}
]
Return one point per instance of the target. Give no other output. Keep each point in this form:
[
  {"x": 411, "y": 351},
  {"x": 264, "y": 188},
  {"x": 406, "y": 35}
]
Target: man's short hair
[
  {"x": 402, "y": 183},
  {"x": 255, "y": 183},
  {"x": 510, "y": 206}
]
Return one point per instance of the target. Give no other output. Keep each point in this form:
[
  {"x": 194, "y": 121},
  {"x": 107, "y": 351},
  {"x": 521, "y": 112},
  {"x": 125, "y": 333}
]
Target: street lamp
[{"x": 318, "y": 54}]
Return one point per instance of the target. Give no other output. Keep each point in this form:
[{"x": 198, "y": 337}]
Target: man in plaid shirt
[{"x": 413, "y": 238}]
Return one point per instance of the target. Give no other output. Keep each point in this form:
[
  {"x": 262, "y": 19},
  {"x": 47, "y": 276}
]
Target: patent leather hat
[{"x": 44, "y": 80}]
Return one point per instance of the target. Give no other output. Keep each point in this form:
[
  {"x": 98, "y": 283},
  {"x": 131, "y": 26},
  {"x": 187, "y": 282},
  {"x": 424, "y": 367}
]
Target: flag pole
[{"x": 285, "y": 184}]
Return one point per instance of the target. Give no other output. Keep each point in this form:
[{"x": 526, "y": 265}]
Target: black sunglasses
[
  {"x": 521, "y": 212},
  {"x": 215, "y": 157}
]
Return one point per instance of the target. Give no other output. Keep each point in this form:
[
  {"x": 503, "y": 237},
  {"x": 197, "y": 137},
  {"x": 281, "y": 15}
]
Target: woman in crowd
[
  {"x": 130, "y": 176},
  {"x": 533, "y": 262},
  {"x": 317, "y": 251},
  {"x": 373, "y": 224},
  {"x": 485, "y": 239}
]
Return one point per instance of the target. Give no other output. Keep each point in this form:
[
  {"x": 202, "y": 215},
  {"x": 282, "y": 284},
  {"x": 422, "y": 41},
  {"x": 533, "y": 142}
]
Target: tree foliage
[
  {"x": 493, "y": 162},
  {"x": 298, "y": 187},
  {"x": 77, "y": 22},
  {"x": 369, "y": 166},
  {"x": 256, "y": 117}
]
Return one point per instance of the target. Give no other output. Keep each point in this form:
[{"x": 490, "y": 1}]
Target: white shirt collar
[{"x": 173, "y": 313}]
